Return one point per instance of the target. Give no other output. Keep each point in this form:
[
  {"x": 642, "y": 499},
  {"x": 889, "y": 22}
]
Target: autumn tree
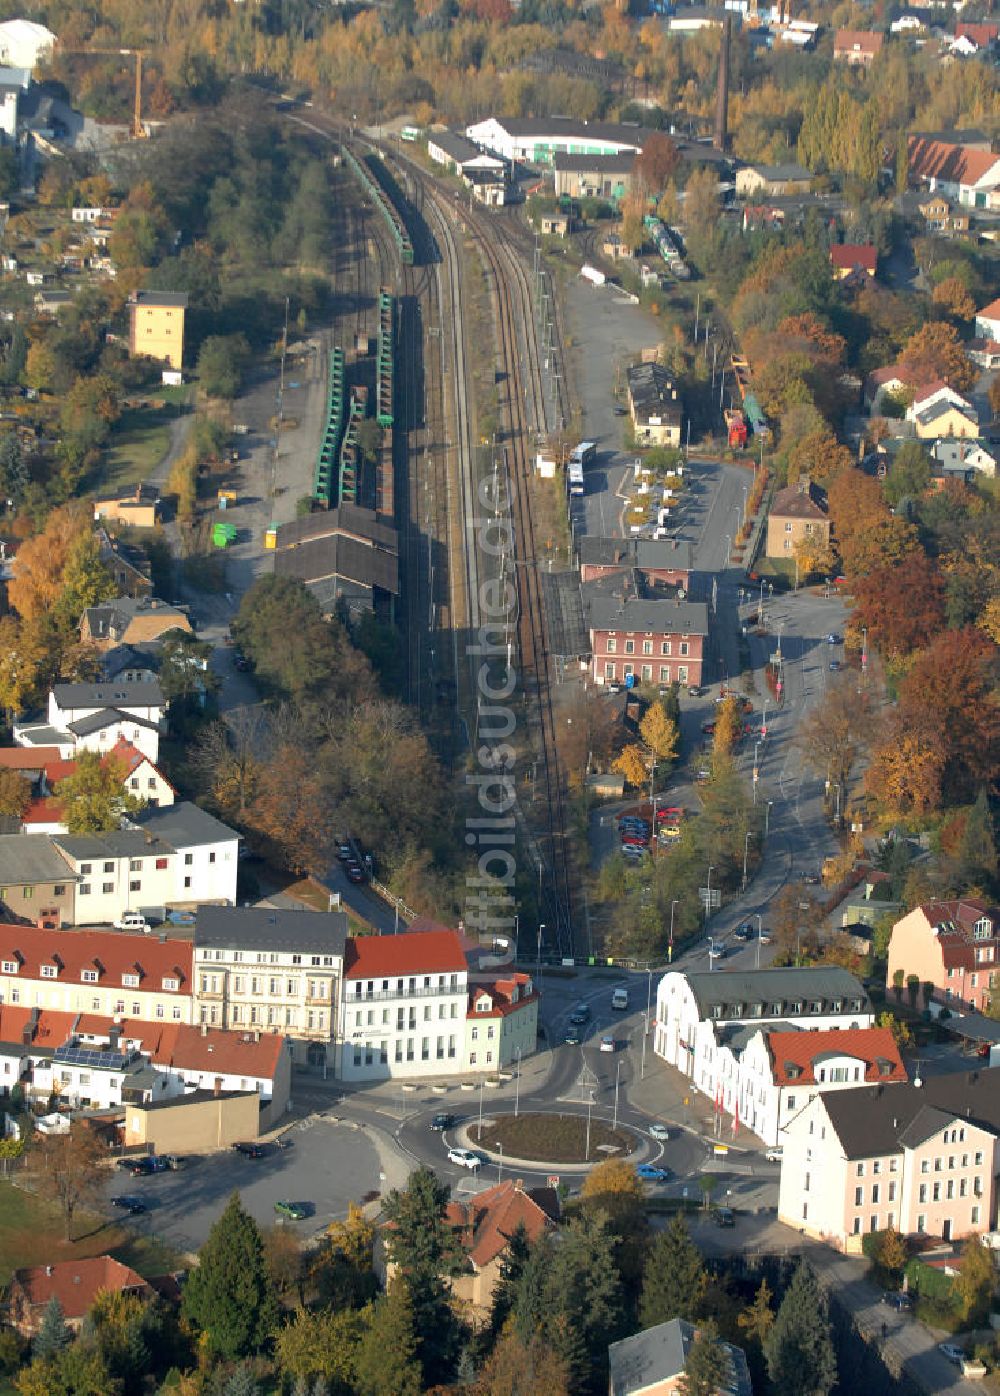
[
  {"x": 656, "y": 162},
  {"x": 901, "y": 606},
  {"x": 229, "y": 758},
  {"x": 66, "y": 1169},
  {"x": 728, "y": 724},
  {"x": 342, "y": 1266},
  {"x": 906, "y": 771},
  {"x": 631, "y": 763},
  {"x": 952, "y": 296},
  {"x": 614, "y": 1188},
  {"x": 659, "y": 732},
  {"x": 701, "y": 202},
  {"x": 35, "y": 589},
  {"x": 15, "y": 793},
  {"x": 321, "y": 1344},
  {"x": 936, "y": 352},
  {"x": 833, "y": 732},
  {"x": 23, "y": 656},
  {"x": 516, "y": 1368},
  {"x": 94, "y": 797},
  {"x": 976, "y": 1282}
]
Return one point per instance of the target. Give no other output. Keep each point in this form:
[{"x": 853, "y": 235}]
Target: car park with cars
[
  {"x": 902, "y": 1303},
  {"x": 150, "y": 1163}
]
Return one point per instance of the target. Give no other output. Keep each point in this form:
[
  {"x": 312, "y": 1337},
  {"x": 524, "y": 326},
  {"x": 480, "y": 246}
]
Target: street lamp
[
  {"x": 767, "y": 817},
  {"x": 618, "y": 1073},
  {"x": 746, "y": 852},
  {"x": 517, "y": 1086},
  {"x": 756, "y": 769},
  {"x": 708, "y": 897},
  {"x": 729, "y": 549},
  {"x": 645, "y": 1030},
  {"x": 759, "y": 932},
  {"x": 670, "y": 944}
]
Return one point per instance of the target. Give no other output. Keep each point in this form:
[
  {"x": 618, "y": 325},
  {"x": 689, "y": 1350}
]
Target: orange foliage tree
[
  {"x": 935, "y": 351},
  {"x": 901, "y": 606}
]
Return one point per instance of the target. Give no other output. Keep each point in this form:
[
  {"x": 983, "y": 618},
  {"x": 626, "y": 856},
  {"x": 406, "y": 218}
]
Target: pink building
[
  {"x": 867, "y": 1159},
  {"x": 658, "y": 640},
  {"x": 952, "y": 945},
  {"x": 658, "y": 561}
]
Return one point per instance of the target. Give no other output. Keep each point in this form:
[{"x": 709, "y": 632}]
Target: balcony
[{"x": 419, "y": 992}]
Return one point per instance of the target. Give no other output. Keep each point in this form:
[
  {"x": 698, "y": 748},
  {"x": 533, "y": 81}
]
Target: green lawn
[
  {"x": 32, "y": 1233},
  {"x": 139, "y": 442}
]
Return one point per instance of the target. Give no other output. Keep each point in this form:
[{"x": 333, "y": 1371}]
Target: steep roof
[
  {"x": 507, "y": 993},
  {"x": 487, "y": 1221},
  {"x": 48, "y": 1027},
  {"x": 76, "y": 1283},
  {"x": 661, "y": 616},
  {"x": 271, "y": 928},
  {"x": 30, "y": 858},
  {"x": 144, "y": 694},
  {"x": 857, "y": 41},
  {"x": 794, "y": 502},
  {"x": 871, "y": 1122},
  {"x": 111, "y": 953},
  {"x": 216, "y": 1050},
  {"x": 953, "y": 164},
  {"x": 413, "y": 952},
  {"x": 797, "y": 1056},
  {"x": 991, "y": 311},
  {"x": 660, "y": 1353},
  {"x": 776, "y": 990},
  {"x": 846, "y": 256}
]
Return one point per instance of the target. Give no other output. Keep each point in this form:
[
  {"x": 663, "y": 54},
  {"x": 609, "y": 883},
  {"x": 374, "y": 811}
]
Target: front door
[{"x": 946, "y": 1230}]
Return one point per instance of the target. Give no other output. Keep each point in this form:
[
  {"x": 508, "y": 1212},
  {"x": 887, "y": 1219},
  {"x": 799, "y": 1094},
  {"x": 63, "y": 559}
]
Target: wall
[
  {"x": 436, "y": 1018},
  {"x": 26, "y": 902},
  {"x": 194, "y": 1126},
  {"x": 783, "y": 534},
  {"x": 610, "y": 667},
  {"x": 157, "y": 331}
]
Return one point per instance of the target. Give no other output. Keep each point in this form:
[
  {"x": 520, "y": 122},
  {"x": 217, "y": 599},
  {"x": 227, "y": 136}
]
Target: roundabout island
[{"x": 551, "y": 1138}]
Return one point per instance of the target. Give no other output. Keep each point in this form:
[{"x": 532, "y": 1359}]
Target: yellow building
[{"x": 156, "y": 325}]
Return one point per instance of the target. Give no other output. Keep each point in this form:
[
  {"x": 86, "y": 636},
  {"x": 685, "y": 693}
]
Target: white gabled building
[
  {"x": 538, "y": 141},
  {"x": 699, "y": 1017},
  {"x": 97, "y": 716}
]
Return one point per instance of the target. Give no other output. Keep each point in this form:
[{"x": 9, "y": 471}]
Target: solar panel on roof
[{"x": 89, "y": 1056}]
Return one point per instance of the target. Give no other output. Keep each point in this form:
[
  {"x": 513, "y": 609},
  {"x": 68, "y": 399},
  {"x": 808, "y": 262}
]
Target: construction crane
[{"x": 137, "y": 130}]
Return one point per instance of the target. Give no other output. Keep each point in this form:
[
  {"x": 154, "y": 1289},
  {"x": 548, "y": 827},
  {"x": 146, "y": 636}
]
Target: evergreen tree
[
  {"x": 799, "y": 1347},
  {"x": 425, "y": 1251},
  {"x": 584, "y": 1301},
  {"x": 53, "y": 1335},
  {"x": 229, "y": 1296},
  {"x": 387, "y": 1358},
  {"x": 512, "y": 1264},
  {"x": 977, "y": 852},
  {"x": 13, "y": 473},
  {"x": 707, "y": 1365},
  {"x": 674, "y": 1280},
  {"x": 528, "y": 1306},
  {"x": 242, "y": 1383}
]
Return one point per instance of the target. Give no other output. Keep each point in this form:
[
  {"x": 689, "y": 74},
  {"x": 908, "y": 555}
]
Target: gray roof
[
  {"x": 122, "y": 657},
  {"x": 771, "y": 987},
  {"x": 41, "y": 734},
  {"x": 177, "y": 1102},
  {"x": 164, "y": 298},
  {"x": 597, "y": 164},
  {"x": 257, "y": 927},
  {"x": 183, "y": 825},
  {"x": 778, "y": 173},
  {"x": 941, "y": 409},
  {"x": 147, "y": 694},
  {"x": 567, "y": 128},
  {"x": 659, "y": 1353},
  {"x": 459, "y": 148},
  {"x": 648, "y": 554},
  {"x": 661, "y": 617},
  {"x": 953, "y": 450},
  {"x": 871, "y": 1121},
  {"x": 31, "y": 858},
  {"x": 653, "y": 393},
  {"x": 117, "y": 843},
  {"x": 106, "y": 717},
  {"x": 349, "y": 543},
  {"x": 975, "y": 1095}
]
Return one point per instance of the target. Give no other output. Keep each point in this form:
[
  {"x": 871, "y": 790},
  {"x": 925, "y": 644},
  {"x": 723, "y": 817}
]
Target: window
[
  {"x": 857, "y": 1226},
  {"x": 922, "y": 1196},
  {"x": 612, "y": 646},
  {"x": 187, "y": 882},
  {"x": 685, "y": 649},
  {"x": 950, "y": 1192},
  {"x": 135, "y": 865},
  {"x": 975, "y": 1216},
  {"x": 211, "y": 856},
  {"x": 84, "y": 889},
  {"x": 892, "y": 1191},
  {"x": 630, "y": 647},
  {"x": 130, "y": 981},
  {"x": 936, "y": 1194},
  {"x": 664, "y": 673},
  {"x": 188, "y": 859},
  {"x": 59, "y": 890},
  {"x": 171, "y": 984},
  {"x": 89, "y": 976},
  {"x": 861, "y": 1170},
  {"x": 10, "y": 966},
  {"x": 85, "y": 868},
  {"x": 135, "y": 885},
  {"x": 107, "y": 888},
  {"x": 875, "y": 1197},
  {"x": 979, "y": 1157},
  {"x": 925, "y": 1166},
  {"x": 859, "y": 1197},
  {"x": 49, "y": 972},
  {"x": 921, "y": 1224},
  {"x": 161, "y": 863},
  {"x": 666, "y": 648}
]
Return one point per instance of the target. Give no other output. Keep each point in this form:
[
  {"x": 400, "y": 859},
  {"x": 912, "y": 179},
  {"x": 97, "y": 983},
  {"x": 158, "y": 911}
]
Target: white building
[
  {"x": 97, "y": 716},
  {"x": 538, "y": 141},
  {"x": 13, "y": 81},
  {"x": 501, "y": 1024},
  {"x": 261, "y": 969},
  {"x": 23, "y": 43},
  {"x": 767, "y": 1081},
  {"x": 988, "y": 321},
  {"x": 697, "y": 1015},
  {"x": 177, "y": 856},
  {"x": 404, "y": 1006}
]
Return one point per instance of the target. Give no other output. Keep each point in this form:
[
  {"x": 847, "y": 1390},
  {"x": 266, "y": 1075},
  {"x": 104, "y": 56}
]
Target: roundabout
[{"x": 549, "y": 1137}]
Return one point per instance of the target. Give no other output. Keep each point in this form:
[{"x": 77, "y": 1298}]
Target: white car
[
  {"x": 607, "y": 1044},
  {"x": 659, "y": 1131},
  {"x": 774, "y": 1155},
  {"x": 465, "y": 1158}
]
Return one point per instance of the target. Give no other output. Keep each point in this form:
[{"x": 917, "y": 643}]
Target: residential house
[
  {"x": 893, "y": 381},
  {"x": 937, "y": 411},
  {"x": 36, "y": 882},
  {"x": 156, "y": 325},
  {"x": 965, "y": 457},
  {"x": 773, "y": 181},
  {"x": 943, "y": 216},
  {"x": 112, "y": 973},
  {"x": 14, "y": 82},
  {"x": 404, "y": 1007},
  {"x": 692, "y": 19},
  {"x": 853, "y": 259},
  {"x": 484, "y": 1225},
  {"x": 960, "y": 172},
  {"x": 869, "y": 1158},
  {"x": 131, "y": 620},
  {"x": 24, "y": 44},
  {"x": 857, "y": 47},
  {"x": 699, "y": 1013},
  {"x": 766, "y": 1079},
  {"x": 798, "y": 514},
  {"x": 632, "y": 631},
  {"x": 654, "y": 1362},
  {"x": 166, "y": 856},
  {"x": 594, "y": 176},
  {"x": 501, "y": 1021},
  {"x": 984, "y": 353},
  {"x": 75, "y": 1284},
  {"x": 261, "y": 969},
  {"x": 139, "y": 506},
  {"x": 97, "y": 716},
  {"x": 654, "y": 405},
  {"x": 953, "y": 945},
  {"x": 50, "y": 301},
  {"x": 988, "y": 321},
  {"x": 129, "y": 566},
  {"x": 657, "y": 561},
  {"x": 983, "y": 33},
  {"x": 140, "y": 778}
]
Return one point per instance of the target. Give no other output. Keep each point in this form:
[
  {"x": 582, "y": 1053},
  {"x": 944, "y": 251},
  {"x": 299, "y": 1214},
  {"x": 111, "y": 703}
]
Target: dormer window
[
  {"x": 10, "y": 966},
  {"x": 130, "y": 981},
  {"x": 50, "y": 971},
  {"x": 171, "y": 984},
  {"x": 983, "y": 928},
  {"x": 856, "y": 1005},
  {"x": 89, "y": 976},
  {"x": 737, "y": 1010},
  {"x": 778, "y": 1008},
  {"x": 757, "y": 1011},
  {"x": 716, "y": 1010},
  {"x": 816, "y": 1006},
  {"x": 837, "y": 1006},
  {"x": 797, "y": 1006}
]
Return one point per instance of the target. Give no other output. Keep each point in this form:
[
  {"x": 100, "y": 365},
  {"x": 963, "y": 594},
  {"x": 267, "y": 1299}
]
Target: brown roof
[
  {"x": 489, "y": 1220},
  {"x": 111, "y": 953},
  {"x": 956, "y": 164},
  {"x": 857, "y": 40},
  {"x": 848, "y": 255},
  {"x": 28, "y": 758},
  {"x": 793, "y": 503},
  {"x": 76, "y": 1283},
  {"x": 222, "y": 1051},
  {"x": 796, "y": 1056},
  {"x": 991, "y": 311},
  {"x": 413, "y": 952},
  {"x": 506, "y": 994}
]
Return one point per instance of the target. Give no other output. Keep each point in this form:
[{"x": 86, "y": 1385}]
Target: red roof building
[
  {"x": 954, "y": 945},
  {"x": 853, "y": 258},
  {"x": 502, "y": 1021},
  {"x": 75, "y": 1283},
  {"x": 981, "y": 32},
  {"x": 959, "y": 171},
  {"x": 485, "y": 1223},
  {"x": 857, "y": 47},
  {"x": 411, "y": 953}
]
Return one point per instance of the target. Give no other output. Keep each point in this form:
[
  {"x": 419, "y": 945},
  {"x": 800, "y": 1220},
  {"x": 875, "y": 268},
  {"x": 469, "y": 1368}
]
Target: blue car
[{"x": 652, "y": 1174}]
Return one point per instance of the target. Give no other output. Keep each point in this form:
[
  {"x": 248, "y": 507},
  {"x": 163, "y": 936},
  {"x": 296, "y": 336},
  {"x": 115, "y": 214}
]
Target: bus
[
  {"x": 574, "y": 477},
  {"x": 585, "y": 453}
]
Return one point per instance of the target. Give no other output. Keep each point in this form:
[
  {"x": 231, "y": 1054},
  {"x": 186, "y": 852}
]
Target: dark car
[
  {"x": 345, "y": 853},
  {"x": 143, "y": 1167},
  {"x": 620, "y": 411},
  {"x": 834, "y": 665},
  {"x": 723, "y": 1216},
  {"x": 249, "y": 1150},
  {"x": 744, "y": 932},
  {"x": 708, "y": 728},
  {"x": 443, "y": 1121},
  {"x": 133, "y": 1205},
  {"x": 573, "y": 1037},
  {"x": 902, "y": 1303},
  {"x": 353, "y": 872}
]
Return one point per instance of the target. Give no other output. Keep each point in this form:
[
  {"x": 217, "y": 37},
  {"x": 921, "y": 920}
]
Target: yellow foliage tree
[
  {"x": 631, "y": 764},
  {"x": 659, "y": 732},
  {"x": 727, "y": 726}
]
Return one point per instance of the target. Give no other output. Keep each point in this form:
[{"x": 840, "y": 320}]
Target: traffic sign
[{"x": 552, "y": 1181}]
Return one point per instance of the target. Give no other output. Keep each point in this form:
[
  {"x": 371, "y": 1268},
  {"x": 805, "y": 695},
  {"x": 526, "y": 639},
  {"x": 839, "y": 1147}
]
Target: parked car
[
  {"x": 832, "y": 639},
  {"x": 442, "y": 1121},
  {"x": 659, "y": 1131},
  {"x": 143, "y": 1167},
  {"x": 620, "y": 411},
  {"x": 953, "y": 1353},
  {"x": 607, "y": 1044},
  {"x": 774, "y": 1155},
  {"x": 176, "y": 1162},
  {"x": 133, "y": 1205},
  {"x": 708, "y": 728},
  {"x": 249, "y": 1150},
  {"x": 694, "y": 691},
  {"x": 765, "y": 936},
  {"x": 653, "y": 1173},
  {"x": 345, "y": 853},
  {"x": 902, "y": 1303},
  {"x": 724, "y": 1216},
  {"x": 132, "y": 921},
  {"x": 293, "y": 1211},
  {"x": 465, "y": 1158},
  {"x": 834, "y": 665},
  {"x": 579, "y": 1015},
  {"x": 703, "y": 775},
  {"x": 353, "y": 872},
  {"x": 673, "y": 814},
  {"x": 717, "y": 950}
]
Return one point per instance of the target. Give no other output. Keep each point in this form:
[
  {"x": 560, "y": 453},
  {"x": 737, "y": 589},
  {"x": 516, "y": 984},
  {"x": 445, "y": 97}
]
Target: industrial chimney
[{"x": 722, "y": 89}]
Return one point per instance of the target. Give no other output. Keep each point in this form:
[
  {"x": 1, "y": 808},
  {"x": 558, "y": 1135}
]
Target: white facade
[
  {"x": 23, "y": 43},
  {"x": 696, "y": 1015},
  {"x": 988, "y": 321},
  {"x": 404, "y": 1027},
  {"x": 940, "y": 395},
  {"x": 570, "y": 138}
]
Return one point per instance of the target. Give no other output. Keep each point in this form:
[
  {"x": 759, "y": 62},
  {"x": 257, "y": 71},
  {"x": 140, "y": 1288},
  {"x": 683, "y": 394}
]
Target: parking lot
[{"x": 326, "y": 1166}]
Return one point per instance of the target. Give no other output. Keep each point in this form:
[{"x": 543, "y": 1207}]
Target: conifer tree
[
  {"x": 387, "y": 1358},
  {"x": 53, "y": 1335},
  {"x": 674, "y": 1280},
  {"x": 229, "y": 1295},
  {"x": 799, "y": 1347}
]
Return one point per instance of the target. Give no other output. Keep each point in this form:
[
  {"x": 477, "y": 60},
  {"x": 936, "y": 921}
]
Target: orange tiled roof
[
  {"x": 413, "y": 952},
  {"x": 955, "y": 164},
  {"x": 489, "y": 1219},
  {"x": 112, "y": 953},
  {"x": 76, "y": 1283},
  {"x": 795, "y": 1055}
]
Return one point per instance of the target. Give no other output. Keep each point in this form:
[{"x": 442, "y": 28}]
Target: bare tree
[
  {"x": 834, "y": 733},
  {"x": 67, "y": 1169}
]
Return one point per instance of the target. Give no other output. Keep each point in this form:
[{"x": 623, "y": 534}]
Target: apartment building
[
  {"x": 404, "y": 1006},
  {"x": 865, "y": 1159},
  {"x": 96, "y": 716},
  {"x": 261, "y": 969},
  {"x": 501, "y": 1022},
  {"x": 699, "y": 1015},
  {"x": 954, "y": 945},
  {"x": 112, "y": 973},
  {"x": 156, "y": 325}
]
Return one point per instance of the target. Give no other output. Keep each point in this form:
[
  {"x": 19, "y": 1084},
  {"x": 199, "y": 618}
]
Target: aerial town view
[{"x": 500, "y": 698}]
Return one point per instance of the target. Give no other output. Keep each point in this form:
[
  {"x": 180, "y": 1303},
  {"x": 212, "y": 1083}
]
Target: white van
[
  {"x": 132, "y": 921},
  {"x": 619, "y": 999}
]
